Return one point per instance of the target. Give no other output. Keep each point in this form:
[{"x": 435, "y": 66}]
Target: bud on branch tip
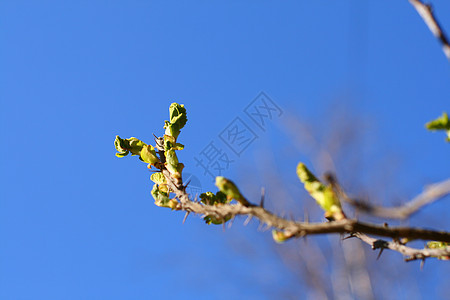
[
  {"x": 441, "y": 123},
  {"x": 231, "y": 191},
  {"x": 323, "y": 194}
]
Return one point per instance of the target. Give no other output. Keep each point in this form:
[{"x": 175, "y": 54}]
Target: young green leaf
[
  {"x": 125, "y": 146},
  {"x": 175, "y": 168},
  {"x": 178, "y": 119},
  {"x": 161, "y": 197},
  {"x": 158, "y": 178},
  {"x": 148, "y": 155}
]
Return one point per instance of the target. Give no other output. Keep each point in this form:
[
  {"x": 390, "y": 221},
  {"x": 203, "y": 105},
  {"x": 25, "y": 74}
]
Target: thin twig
[
  {"x": 408, "y": 252},
  {"x": 426, "y": 12},
  {"x": 431, "y": 194}
]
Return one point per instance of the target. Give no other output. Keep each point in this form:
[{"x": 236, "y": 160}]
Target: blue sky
[{"x": 78, "y": 223}]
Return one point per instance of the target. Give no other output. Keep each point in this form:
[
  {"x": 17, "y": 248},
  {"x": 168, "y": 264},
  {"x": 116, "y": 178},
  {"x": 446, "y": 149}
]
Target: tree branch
[
  {"x": 294, "y": 229},
  {"x": 410, "y": 253},
  {"x": 426, "y": 12},
  {"x": 300, "y": 229},
  {"x": 431, "y": 194}
]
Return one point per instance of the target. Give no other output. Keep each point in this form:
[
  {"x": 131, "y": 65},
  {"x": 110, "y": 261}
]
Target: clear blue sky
[{"x": 78, "y": 223}]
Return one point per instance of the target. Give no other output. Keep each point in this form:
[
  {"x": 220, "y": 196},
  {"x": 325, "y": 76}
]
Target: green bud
[
  {"x": 135, "y": 145},
  {"x": 279, "y": 236},
  {"x": 304, "y": 174},
  {"x": 161, "y": 196},
  {"x": 439, "y": 245},
  {"x": 169, "y": 142},
  {"x": 148, "y": 155},
  {"x": 171, "y": 157},
  {"x": 175, "y": 168},
  {"x": 177, "y": 120},
  {"x": 441, "y": 123},
  {"x": 230, "y": 190},
  {"x": 219, "y": 198},
  {"x": 216, "y": 221},
  {"x": 158, "y": 178},
  {"x": 209, "y": 198},
  {"x": 324, "y": 195}
]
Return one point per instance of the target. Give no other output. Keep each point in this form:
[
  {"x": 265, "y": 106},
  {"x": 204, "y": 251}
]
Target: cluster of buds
[
  {"x": 217, "y": 199},
  {"x": 178, "y": 118},
  {"x": 228, "y": 191},
  {"x": 136, "y": 147},
  {"x": 147, "y": 154},
  {"x": 160, "y": 192}
]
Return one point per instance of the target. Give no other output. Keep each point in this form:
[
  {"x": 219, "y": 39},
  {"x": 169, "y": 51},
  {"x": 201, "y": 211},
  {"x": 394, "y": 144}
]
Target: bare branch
[
  {"x": 431, "y": 194},
  {"x": 426, "y": 12},
  {"x": 410, "y": 253},
  {"x": 293, "y": 228}
]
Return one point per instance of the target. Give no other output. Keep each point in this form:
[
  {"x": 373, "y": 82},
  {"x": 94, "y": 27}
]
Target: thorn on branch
[
  {"x": 231, "y": 221},
  {"x": 260, "y": 226},
  {"x": 351, "y": 235},
  {"x": 301, "y": 234},
  {"x": 263, "y": 192},
  {"x": 379, "y": 254},
  {"x": 291, "y": 216},
  {"x": 185, "y": 216},
  {"x": 186, "y": 185},
  {"x": 249, "y": 218},
  {"x": 267, "y": 227},
  {"x": 415, "y": 257},
  {"x": 159, "y": 142}
]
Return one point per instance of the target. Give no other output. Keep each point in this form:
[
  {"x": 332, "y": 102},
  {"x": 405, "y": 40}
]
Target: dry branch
[
  {"x": 410, "y": 253},
  {"x": 432, "y": 193},
  {"x": 426, "y": 12}
]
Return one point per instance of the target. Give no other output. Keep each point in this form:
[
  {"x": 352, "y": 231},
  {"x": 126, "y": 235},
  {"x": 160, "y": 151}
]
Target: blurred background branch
[
  {"x": 426, "y": 12},
  {"x": 432, "y": 193}
]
